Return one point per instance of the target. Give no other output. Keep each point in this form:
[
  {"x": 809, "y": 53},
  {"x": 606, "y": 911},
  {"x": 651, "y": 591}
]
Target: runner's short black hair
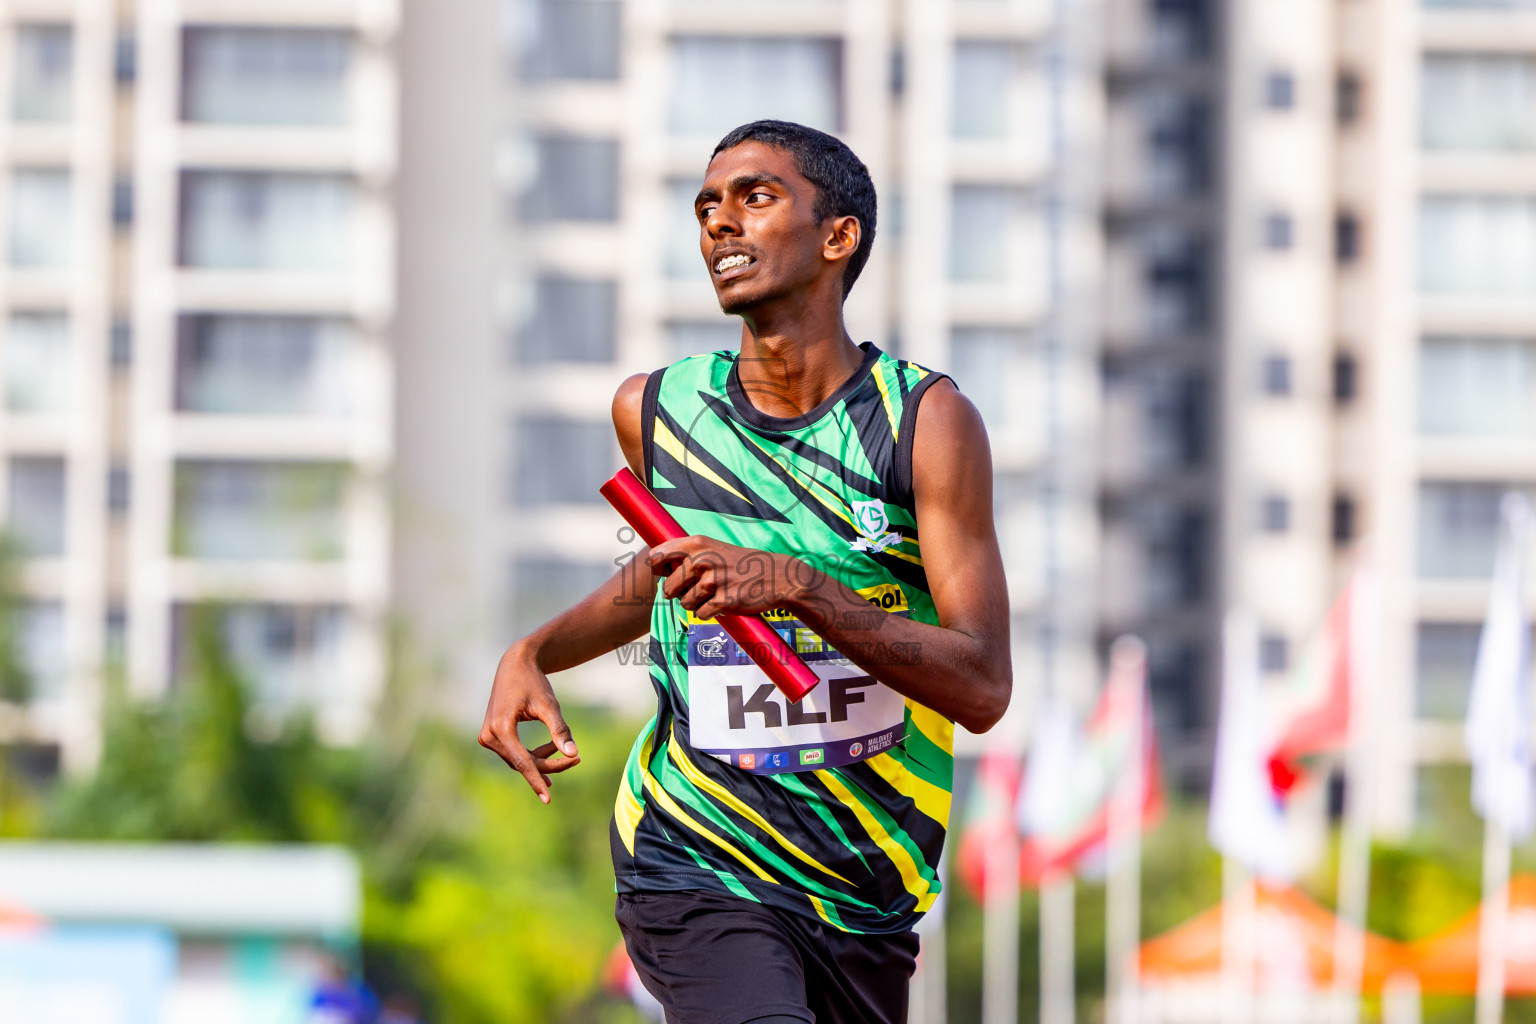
[{"x": 843, "y": 185}]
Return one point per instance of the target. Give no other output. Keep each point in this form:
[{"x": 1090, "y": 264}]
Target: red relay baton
[{"x": 762, "y": 643}]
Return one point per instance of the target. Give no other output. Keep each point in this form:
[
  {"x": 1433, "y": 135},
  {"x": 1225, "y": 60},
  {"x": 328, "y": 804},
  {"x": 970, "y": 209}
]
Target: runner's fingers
[
  {"x": 544, "y": 759},
  {"x": 519, "y": 760},
  {"x": 548, "y": 712}
]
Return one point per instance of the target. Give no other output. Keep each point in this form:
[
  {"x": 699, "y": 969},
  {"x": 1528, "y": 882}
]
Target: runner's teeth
[{"x": 731, "y": 262}]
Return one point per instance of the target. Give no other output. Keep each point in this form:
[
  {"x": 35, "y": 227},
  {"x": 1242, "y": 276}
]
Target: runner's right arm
[{"x": 616, "y": 613}]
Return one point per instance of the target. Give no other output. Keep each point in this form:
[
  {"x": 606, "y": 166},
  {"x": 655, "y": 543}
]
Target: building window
[
  {"x": 42, "y": 81},
  {"x": 1346, "y": 238},
  {"x": 291, "y": 655},
  {"x": 1178, "y": 143},
  {"x": 684, "y": 259},
  {"x": 558, "y": 461},
  {"x": 1275, "y": 514},
  {"x": 691, "y": 338},
  {"x": 570, "y": 39},
  {"x": 1446, "y": 654},
  {"x": 1176, "y": 554},
  {"x": 1477, "y": 386},
  {"x": 724, "y": 81},
  {"x": 121, "y": 343},
  {"x": 122, "y": 202},
  {"x": 35, "y": 517},
  {"x": 1277, "y": 376},
  {"x": 40, "y": 643},
  {"x": 1279, "y": 231},
  {"x": 1343, "y": 519},
  {"x": 1177, "y": 295},
  {"x": 258, "y": 511},
  {"x": 1478, "y": 245},
  {"x": 572, "y": 321},
  {"x": 1345, "y": 378},
  {"x": 1181, "y": 29},
  {"x": 574, "y": 179},
  {"x": 989, "y": 83},
  {"x": 544, "y": 587},
  {"x": 41, "y": 215},
  {"x": 1274, "y": 653},
  {"x": 37, "y": 363},
  {"x": 264, "y": 365},
  {"x": 1348, "y": 95},
  {"x": 980, "y": 359},
  {"x": 1280, "y": 90},
  {"x": 125, "y": 57},
  {"x": 1176, "y": 419},
  {"x": 260, "y": 220},
  {"x": 1458, "y": 528},
  {"x": 991, "y": 234},
  {"x": 248, "y": 75},
  {"x": 118, "y": 488},
  {"x": 1478, "y": 101}
]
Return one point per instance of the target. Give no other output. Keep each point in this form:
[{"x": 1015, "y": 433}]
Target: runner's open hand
[{"x": 521, "y": 693}]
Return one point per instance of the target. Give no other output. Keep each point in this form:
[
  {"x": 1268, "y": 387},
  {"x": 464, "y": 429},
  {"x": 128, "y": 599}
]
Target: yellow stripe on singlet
[
  {"x": 905, "y": 865},
  {"x": 692, "y": 773},
  {"x": 675, "y": 448},
  {"x": 928, "y": 798},
  {"x": 672, "y": 807},
  {"x": 627, "y": 808},
  {"x": 885, "y": 396},
  {"x": 939, "y": 730}
]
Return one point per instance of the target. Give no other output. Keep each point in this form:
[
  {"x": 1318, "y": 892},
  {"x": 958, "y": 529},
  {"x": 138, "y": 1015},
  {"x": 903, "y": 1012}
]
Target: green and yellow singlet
[{"x": 836, "y": 807}]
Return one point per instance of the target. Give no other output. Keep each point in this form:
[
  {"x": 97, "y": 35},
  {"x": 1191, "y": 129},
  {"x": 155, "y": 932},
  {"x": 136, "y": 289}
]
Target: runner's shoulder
[{"x": 946, "y": 417}]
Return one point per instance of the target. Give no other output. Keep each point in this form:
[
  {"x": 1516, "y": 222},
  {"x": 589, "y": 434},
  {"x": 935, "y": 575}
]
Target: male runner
[{"x": 772, "y": 858}]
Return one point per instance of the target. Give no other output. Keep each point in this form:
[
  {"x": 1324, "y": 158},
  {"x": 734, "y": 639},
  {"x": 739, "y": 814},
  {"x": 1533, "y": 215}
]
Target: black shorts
[{"x": 716, "y": 959}]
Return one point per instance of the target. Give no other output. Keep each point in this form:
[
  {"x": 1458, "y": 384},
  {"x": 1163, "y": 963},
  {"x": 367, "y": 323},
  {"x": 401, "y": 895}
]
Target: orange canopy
[
  {"x": 14, "y": 918},
  {"x": 1293, "y": 944},
  {"x": 1447, "y": 963}
]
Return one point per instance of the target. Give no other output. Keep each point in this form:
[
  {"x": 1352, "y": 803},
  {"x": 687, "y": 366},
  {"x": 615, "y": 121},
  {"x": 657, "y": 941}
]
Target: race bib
[{"x": 737, "y": 715}]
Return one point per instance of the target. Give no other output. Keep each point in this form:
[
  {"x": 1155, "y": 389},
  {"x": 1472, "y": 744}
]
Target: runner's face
[{"x": 757, "y": 227}]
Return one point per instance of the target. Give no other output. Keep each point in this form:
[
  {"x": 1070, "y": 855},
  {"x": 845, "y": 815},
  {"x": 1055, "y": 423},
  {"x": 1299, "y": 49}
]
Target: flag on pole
[
  {"x": 1247, "y": 820},
  {"x": 1498, "y": 732},
  {"x": 1072, "y": 775},
  {"x": 1310, "y": 711},
  {"x": 988, "y": 817}
]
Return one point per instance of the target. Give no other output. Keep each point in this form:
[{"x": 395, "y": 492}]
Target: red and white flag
[
  {"x": 1308, "y": 714},
  {"x": 1073, "y": 774}
]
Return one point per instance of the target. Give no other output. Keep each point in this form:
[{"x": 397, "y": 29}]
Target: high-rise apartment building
[
  {"x": 1319, "y": 351},
  {"x": 986, "y": 261},
  {"x": 196, "y": 298}
]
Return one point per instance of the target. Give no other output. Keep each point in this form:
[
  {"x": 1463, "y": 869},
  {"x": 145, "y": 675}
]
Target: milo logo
[{"x": 813, "y": 756}]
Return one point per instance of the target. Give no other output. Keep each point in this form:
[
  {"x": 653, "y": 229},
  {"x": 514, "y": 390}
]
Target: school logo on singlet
[{"x": 869, "y": 519}]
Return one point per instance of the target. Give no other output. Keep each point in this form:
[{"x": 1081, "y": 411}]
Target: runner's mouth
[{"x": 733, "y": 264}]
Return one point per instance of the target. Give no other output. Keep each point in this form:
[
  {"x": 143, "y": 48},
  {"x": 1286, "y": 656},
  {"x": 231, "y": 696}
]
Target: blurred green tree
[{"x": 486, "y": 903}]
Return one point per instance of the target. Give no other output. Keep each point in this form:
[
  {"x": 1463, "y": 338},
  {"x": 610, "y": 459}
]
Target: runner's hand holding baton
[{"x": 759, "y": 640}]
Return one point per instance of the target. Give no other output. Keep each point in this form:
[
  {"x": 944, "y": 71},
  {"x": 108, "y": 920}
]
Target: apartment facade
[
  {"x": 197, "y": 299},
  {"x": 609, "y": 114}
]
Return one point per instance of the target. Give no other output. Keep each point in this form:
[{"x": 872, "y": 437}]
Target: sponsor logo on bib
[
  {"x": 855, "y": 749},
  {"x": 813, "y": 756},
  {"x": 747, "y": 760}
]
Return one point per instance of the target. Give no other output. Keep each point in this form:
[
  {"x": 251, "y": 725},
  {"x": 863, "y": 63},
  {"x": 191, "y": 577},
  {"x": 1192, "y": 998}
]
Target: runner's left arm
[{"x": 962, "y": 667}]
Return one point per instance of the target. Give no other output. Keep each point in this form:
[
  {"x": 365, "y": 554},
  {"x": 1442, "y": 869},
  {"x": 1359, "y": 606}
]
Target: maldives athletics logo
[
  {"x": 869, "y": 519},
  {"x": 855, "y": 748}
]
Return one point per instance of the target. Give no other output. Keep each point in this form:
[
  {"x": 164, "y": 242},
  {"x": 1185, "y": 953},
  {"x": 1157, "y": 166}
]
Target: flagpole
[
  {"x": 1359, "y": 798},
  {"x": 1237, "y": 947},
  {"x": 1492, "y": 939},
  {"x": 1122, "y": 925},
  {"x": 1000, "y": 928},
  {"x": 1057, "y": 952}
]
